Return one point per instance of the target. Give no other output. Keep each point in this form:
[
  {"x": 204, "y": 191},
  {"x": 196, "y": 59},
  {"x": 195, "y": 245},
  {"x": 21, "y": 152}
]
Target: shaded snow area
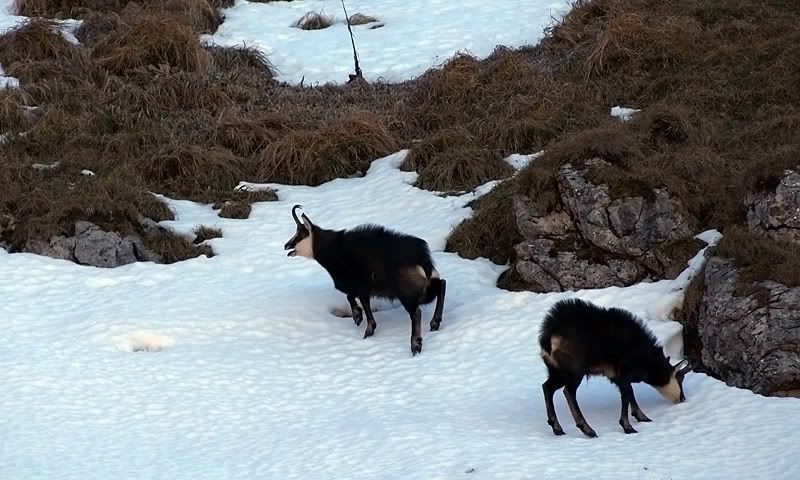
[
  {"x": 416, "y": 34},
  {"x": 234, "y": 367}
]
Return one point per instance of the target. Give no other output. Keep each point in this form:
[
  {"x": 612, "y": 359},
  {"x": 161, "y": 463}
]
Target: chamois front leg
[
  {"x": 358, "y": 315},
  {"x": 625, "y": 393},
  {"x": 371, "y": 325},
  {"x": 436, "y": 321}
]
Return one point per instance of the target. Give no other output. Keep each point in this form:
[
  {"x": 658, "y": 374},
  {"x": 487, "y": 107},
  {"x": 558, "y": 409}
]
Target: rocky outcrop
[
  {"x": 93, "y": 246},
  {"x": 742, "y": 331},
  {"x": 594, "y": 240},
  {"x": 748, "y": 336},
  {"x": 777, "y": 213}
]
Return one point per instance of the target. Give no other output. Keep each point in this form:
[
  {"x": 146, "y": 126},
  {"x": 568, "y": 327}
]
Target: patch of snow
[
  {"x": 7, "y": 82},
  {"x": 622, "y": 113},
  {"x": 417, "y": 34},
  {"x": 262, "y": 381},
  {"x": 518, "y": 162},
  {"x": 87, "y": 173}
]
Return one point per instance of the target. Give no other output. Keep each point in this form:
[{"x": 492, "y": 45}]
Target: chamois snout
[{"x": 300, "y": 243}]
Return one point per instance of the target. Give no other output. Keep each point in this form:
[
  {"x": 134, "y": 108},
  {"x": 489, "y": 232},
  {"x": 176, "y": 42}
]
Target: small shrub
[
  {"x": 361, "y": 19},
  {"x": 34, "y": 40},
  {"x": 151, "y": 40},
  {"x": 312, "y": 157},
  {"x": 314, "y": 21},
  {"x": 204, "y": 232},
  {"x": 237, "y": 210}
]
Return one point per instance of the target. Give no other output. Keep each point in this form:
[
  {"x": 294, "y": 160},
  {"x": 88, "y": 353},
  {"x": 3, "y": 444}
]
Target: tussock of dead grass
[
  {"x": 491, "y": 232},
  {"x": 235, "y": 210},
  {"x": 449, "y": 161},
  {"x": 760, "y": 258},
  {"x": 204, "y": 232},
  {"x": 192, "y": 170},
  {"x": 34, "y": 40},
  {"x": 361, "y": 19},
  {"x": 236, "y": 58},
  {"x": 174, "y": 248},
  {"x": 313, "y": 157},
  {"x": 151, "y": 40},
  {"x": 314, "y": 21}
]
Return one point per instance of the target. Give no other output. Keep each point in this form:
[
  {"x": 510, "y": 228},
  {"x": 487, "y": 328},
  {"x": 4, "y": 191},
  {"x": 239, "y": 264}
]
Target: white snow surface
[
  {"x": 417, "y": 34},
  {"x": 233, "y": 367},
  {"x": 623, "y": 113},
  {"x": 5, "y": 81}
]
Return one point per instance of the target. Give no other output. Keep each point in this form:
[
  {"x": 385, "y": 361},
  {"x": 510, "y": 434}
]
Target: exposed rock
[
  {"x": 777, "y": 213},
  {"x": 58, "y": 247},
  {"x": 747, "y": 336},
  {"x": 594, "y": 240},
  {"x": 94, "y": 246}
]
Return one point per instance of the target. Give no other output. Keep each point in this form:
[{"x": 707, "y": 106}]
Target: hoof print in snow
[{"x": 143, "y": 341}]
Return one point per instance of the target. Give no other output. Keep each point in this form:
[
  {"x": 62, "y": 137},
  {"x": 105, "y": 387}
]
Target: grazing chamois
[
  {"x": 579, "y": 339},
  {"x": 372, "y": 261}
]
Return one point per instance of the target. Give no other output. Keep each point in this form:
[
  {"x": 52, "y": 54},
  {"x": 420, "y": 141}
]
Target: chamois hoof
[
  {"x": 588, "y": 431},
  {"x": 416, "y": 346},
  {"x": 435, "y": 323},
  {"x": 369, "y": 332},
  {"x": 627, "y": 428},
  {"x": 358, "y": 317},
  {"x": 641, "y": 418},
  {"x": 557, "y": 430}
]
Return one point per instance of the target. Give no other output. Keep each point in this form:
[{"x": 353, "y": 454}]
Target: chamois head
[
  {"x": 301, "y": 243},
  {"x": 670, "y": 386}
]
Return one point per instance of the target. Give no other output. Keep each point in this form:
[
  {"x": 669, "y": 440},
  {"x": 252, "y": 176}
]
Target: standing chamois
[
  {"x": 580, "y": 339},
  {"x": 372, "y": 261}
]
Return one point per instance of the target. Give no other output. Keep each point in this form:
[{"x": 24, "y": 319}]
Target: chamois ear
[{"x": 307, "y": 222}]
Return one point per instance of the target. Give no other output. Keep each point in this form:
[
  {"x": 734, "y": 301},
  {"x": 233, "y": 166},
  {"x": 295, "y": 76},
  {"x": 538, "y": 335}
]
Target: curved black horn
[{"x": 294, "y": 214}]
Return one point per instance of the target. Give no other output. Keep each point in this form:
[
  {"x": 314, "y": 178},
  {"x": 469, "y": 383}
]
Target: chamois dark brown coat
[
  {"x": 579, "y": 339},
  {"x": 372, "y": 261}
]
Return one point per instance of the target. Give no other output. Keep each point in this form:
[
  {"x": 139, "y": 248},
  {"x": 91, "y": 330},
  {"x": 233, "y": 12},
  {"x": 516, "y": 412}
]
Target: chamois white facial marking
[
  {"x": 672, "y": 390},
  {"x": 305, "y": 247}
]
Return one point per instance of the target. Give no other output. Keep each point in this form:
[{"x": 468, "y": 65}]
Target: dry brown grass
[
  {"x": 204, "y": 232},
  {"x": 704, "y": 133},
  {"x": 235, "y": 210},
  {"x": 151, "y": 40},
  {"x": 314, "y": 21},
  {"x": 312, "y": 157},
  {"x": 361, "y": 19},
  {"x": 449, "y": 161},
  {"x": 169, "y": 115},
  {"x": 759, "y": 258},
  {"x": 34, "y": 40},
  {"x": 174, "y": 248}
]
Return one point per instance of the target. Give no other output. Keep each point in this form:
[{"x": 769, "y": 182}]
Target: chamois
[
  {"x": 372, "y": 261},
  {"x": 580, "y": 339}
]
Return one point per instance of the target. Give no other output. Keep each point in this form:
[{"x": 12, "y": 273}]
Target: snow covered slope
[
  {"x": 234, "y": 368},
  {"x": 417, "y": 34}
]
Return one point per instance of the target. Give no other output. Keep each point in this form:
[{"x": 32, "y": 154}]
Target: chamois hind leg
[
  {"x": 637, "y": 412},
  {"x": 358, "y": 313},
  {"x": 570, "y": 391},
  {"x": 416, "y": 327},
  {"x": 441, "y": 286},
  {"x": 549, "y": 387},
  {"x": 625, "y": 393},
  {"x": 371, "y": 325}
]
